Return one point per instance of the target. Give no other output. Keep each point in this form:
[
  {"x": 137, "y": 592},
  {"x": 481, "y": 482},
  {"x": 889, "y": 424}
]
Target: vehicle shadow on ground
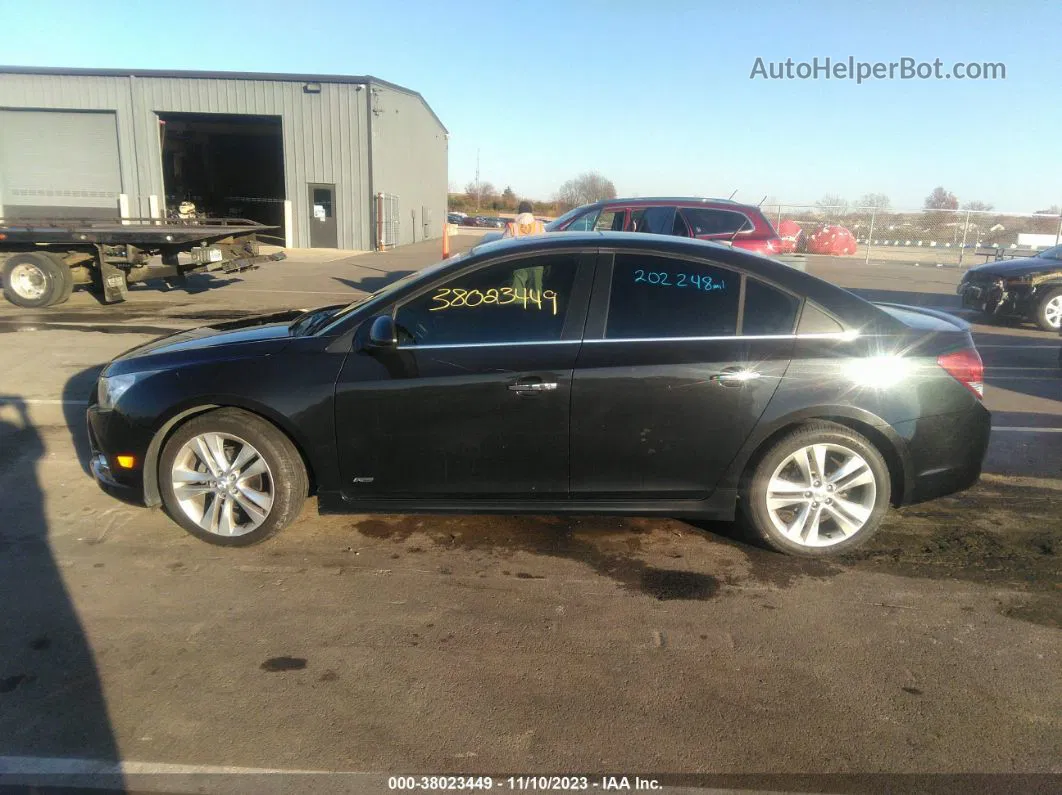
[
  {"x": 370, "y": 284},
  {"x": 51, "y": 699},
  {"x": 614, "y": 547}
]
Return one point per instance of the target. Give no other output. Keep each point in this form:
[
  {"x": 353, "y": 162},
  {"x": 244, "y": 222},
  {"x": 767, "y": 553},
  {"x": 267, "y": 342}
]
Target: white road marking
[
  {"x": 48, "y": 402},
  {"x": 1021, "y": 429},
  {"x": 303, "y": 292},
  {"x": 1023, "y": 347},
  {"x": 57, "y": 766}
]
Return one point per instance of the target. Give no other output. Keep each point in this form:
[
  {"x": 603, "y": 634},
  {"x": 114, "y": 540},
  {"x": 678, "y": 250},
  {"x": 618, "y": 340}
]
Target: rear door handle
[
  {"x": 532, "y": 387},
  {"x": 734, "y": 376}
]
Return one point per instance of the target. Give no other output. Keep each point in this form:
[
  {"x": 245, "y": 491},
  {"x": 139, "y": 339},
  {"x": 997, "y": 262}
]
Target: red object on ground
[
  {"x": 792, "y": 237},
  {"x": 833, "y": 240}
]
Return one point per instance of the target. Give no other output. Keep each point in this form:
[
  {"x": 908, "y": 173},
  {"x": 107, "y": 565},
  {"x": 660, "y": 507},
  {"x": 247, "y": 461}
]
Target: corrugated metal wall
[
  {"x": 325, "y": 139},
  {"x": 409, "y": 153}
]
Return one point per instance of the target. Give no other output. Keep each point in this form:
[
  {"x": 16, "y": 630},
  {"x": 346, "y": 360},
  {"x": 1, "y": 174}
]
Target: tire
[
  {"x": 1049, "y": 311},
  {"x": 241, "y": 518},
  {"x": 830, "y": 536},
  {"x": 35, "y": 280},
  {"x": 68, "y": 279}
]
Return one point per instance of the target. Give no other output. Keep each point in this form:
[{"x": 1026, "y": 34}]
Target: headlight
[{"x": 109, "y": 390}]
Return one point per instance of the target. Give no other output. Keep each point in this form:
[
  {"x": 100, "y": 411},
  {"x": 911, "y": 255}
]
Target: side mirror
[{"x": 382, "y": 333}]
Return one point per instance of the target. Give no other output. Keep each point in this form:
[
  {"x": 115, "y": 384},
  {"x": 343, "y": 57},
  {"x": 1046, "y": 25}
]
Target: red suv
[{"x": 724, "y": 221}]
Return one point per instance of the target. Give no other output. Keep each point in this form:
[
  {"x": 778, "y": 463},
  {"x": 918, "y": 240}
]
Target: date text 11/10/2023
[{"x": 529, "y": 783}]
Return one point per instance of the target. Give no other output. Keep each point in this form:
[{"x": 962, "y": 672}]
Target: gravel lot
[{"x": 517, "y": 644}]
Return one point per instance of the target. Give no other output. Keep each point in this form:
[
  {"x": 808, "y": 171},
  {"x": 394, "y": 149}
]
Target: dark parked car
[
  {"x": 576, "y": 373},
  {"x": 741, "y": 225},
  {"x": 1029, "y": 288}
]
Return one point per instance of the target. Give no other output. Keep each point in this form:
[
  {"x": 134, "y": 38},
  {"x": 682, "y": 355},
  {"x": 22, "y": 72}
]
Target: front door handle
[
  {"x": 532, "y": 387},
  {"x": 734, "y": 376}
]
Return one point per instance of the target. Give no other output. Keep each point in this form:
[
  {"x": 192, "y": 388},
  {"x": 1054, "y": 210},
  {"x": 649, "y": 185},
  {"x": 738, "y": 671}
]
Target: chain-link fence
[{"x": 924, "y": 237}]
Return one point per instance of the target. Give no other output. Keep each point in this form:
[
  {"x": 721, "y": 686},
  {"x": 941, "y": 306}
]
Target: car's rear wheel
[
  {"x": 821, "y": 490},
  {"x": 1049, "y": 312},
  {"x": 231, "y": 478}
]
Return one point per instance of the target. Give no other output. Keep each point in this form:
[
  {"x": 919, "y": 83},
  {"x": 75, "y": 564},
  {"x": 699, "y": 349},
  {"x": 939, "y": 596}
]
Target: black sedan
[
  {"x": 1029, "y": 288},
  {"x": 581, "y": 373}
]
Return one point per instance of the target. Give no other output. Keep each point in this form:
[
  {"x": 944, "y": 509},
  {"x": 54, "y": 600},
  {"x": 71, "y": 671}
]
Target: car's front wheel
[
  {"x": 231, "y": 478},
  {"x": 1049, "y": 311},
  {"x": 821, "y": 490}
]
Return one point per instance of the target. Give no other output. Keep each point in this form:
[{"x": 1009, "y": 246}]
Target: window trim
[{"x": 574, "y": 325}]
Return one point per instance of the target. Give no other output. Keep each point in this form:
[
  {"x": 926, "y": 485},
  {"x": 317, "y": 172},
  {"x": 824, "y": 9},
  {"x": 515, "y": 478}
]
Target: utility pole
[{"x": 479, "y": 187}]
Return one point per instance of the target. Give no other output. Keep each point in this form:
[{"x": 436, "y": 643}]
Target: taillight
[{"x": 966, "y": 367}]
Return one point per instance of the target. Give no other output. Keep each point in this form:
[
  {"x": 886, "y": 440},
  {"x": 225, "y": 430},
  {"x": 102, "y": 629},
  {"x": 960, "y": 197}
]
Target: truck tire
[
  {"x": 35, "y": 280},
  {"x": 68, "y": 278}
]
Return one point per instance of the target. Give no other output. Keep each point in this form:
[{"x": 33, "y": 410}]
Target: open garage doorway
[{"x": 228, "y": 166}]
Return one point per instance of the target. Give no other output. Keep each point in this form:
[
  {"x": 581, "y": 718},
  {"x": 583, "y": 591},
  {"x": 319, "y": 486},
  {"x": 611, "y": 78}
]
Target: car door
[
  {"x": 680, "y": 359},
  {"x": 474, "y": 402}
]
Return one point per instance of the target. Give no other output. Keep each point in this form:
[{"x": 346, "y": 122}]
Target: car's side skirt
[{"x": 721, "y": 506}]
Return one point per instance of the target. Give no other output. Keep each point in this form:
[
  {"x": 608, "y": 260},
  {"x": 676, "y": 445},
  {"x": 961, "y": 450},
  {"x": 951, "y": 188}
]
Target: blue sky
[{"x": 655, "y": 96}]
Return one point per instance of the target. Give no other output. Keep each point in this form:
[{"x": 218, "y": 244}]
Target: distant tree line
[{"x": 481, "y": 197}]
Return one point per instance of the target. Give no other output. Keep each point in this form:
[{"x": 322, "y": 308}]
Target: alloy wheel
[
  {"x": 223, "y": 484},
  {"x": 1053, "y": 312},
  {"x": 821, "y": 494}
]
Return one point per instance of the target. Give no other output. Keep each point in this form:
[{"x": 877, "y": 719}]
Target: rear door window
[
  {"x": 768, "y": 310},
  {"x": 707, "y": 221},
  {"x": 660, "y": 297}
]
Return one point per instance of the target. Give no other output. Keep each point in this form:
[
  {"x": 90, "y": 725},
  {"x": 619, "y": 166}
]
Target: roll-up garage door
[{"x": 59, "y": 164}]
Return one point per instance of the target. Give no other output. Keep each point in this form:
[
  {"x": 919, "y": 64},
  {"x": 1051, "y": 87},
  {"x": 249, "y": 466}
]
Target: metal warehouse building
[{"x": 349, "y": 162}]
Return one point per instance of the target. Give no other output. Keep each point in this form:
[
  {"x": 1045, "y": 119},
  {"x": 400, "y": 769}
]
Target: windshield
[
  {"x": 385, "y": 292},
  {"x": 556, "y": 223},
  {"x": 1055, "y": 252}
]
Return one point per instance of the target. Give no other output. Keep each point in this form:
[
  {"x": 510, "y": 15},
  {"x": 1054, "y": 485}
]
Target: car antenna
[
  {"x": 762, "y": 200},
  {"x": 732, "y": 195}
]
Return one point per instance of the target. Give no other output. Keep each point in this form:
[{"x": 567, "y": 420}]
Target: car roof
[{"x": 688, "y": 201}]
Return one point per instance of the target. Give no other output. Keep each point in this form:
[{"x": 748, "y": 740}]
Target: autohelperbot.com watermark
[{"x": 863, "y": 71}]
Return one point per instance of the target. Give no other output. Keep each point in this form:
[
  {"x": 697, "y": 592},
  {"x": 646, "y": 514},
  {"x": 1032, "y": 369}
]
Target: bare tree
[
  {"x": 831, "y": 204},
  {"x": 480, "y": 192},
  {"x": 941, "y": 199},
  {"x": 977, "y": 206},
  {"x": 586, "y": 188},
  {"x": 875, "y": 201}
]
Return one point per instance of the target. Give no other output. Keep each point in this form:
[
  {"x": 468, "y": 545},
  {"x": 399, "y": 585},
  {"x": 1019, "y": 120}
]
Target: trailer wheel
[
  {"x": 68, "y": 278},
  {"x": 35, "y": 280}
]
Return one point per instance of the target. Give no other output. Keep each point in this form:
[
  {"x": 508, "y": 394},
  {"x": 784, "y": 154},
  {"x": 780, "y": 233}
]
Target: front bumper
[
  {"x": 109, "y": 435},
  {"x": 994, "y": 298}
]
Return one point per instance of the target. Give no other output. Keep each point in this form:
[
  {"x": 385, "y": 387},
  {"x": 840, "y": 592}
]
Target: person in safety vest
[{"x": 524, "y": 223}]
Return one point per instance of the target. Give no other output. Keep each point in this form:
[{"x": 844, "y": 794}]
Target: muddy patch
[
  {"x": 276, "y": 664},
  {"x": 605, "y": 544}
]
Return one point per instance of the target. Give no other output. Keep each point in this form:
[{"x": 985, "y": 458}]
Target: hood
[
  {"x": 260, "y": 335},
  {"x": 1022, "y": 266}
]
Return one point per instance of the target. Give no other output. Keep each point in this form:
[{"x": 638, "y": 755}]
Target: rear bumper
[{"x": 946, "y": 452}]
